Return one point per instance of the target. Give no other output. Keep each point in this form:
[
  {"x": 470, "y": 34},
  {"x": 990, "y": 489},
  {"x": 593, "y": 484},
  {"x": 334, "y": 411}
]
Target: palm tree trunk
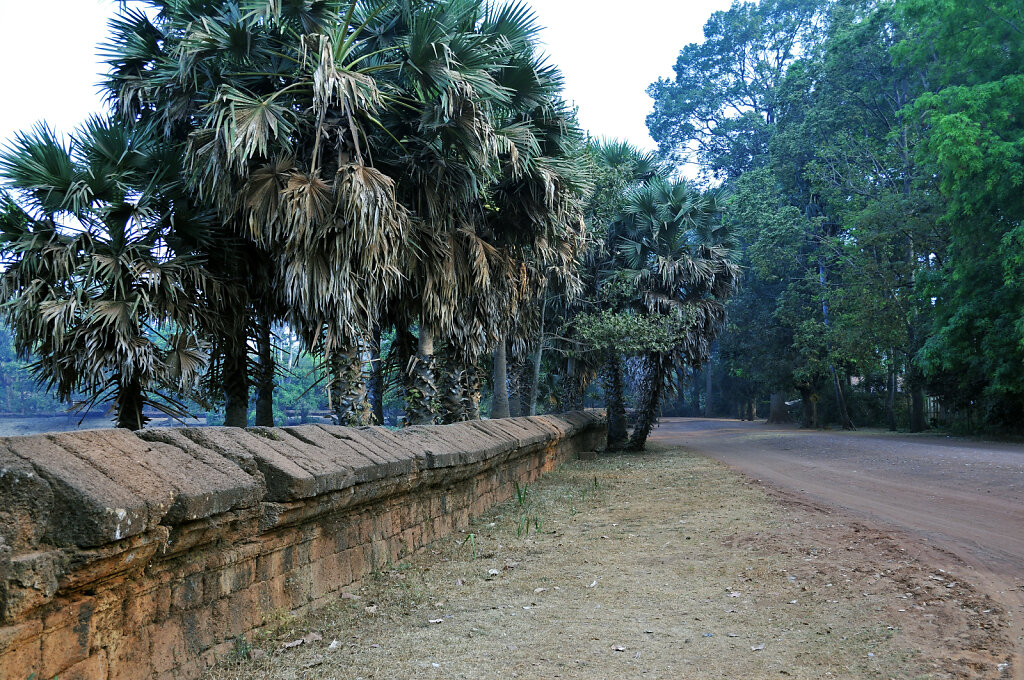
[
  {"x": 651, "y": 390},
  {"x": 376, "y": 386},
  {"x": 265, "y": 377},
  {"x": 499, "y": 403},
  {"x": 573, "y": 390},
  {"x": 515, "y": 398},
  {"x": 419, "y": 400},
  {"x": 235, "y": 376},
  {"x": 537, "y": 358},
  {"x": 404, "y": 348},
  {"x": 128, "y": 404},
  {"x": 472, "y": 390},
  {"x": 348, "y": 387},
  {"x": 615, "y": 404},
  {"x": 454, "y": 403}
]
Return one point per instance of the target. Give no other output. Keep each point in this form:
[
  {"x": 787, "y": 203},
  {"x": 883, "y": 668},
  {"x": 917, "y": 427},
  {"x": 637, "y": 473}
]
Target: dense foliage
[
  {"x": 874, "y": 150},
  {"x": 386, "y": 205},
  {"x": 362, "y": 200}
]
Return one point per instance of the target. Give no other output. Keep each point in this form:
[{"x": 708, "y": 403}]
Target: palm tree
[
  {"x": 93, "y": 285},
  {"x": 679, "y": 256},
  {"x": 602, "y": 309},
  {"x": 361, "y": 150},
  {"x": 269, "y": 103},
  {"x": 469, "y": 134}
]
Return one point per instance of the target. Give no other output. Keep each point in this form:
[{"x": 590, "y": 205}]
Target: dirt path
[
  {"x": 964, "y": 499},
  {"x": 664, "y": 565}
]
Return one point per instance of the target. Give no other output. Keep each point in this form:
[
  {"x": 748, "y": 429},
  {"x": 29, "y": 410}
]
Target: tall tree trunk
[
  {"x": 844, "y": 415},
  {"x": 808, "y": 417},
  {"x": 419, "y": 397},
  {"x": 472, "y": 390},
  {"x": 708, "y": 411},
  {"x": 499, "y": 402},
  {"x": 651, "y": 389},
  {"x": 515, "y": 397},
  {"x": 265, "y": 373},
  {"x": 348, "y": 387},
  {"x": 890, "y": 400},
  {"x": 235, "y": 376},
  {"x": 915, "y": 380},
  {"x": 573, "y": 390},
  {"x": 694, "y": 392},
  {"x": 525, "y": 374},
  {"x": 615, "y": 404},
  {"x": 918, "y": 422},
  {"x": 777, "y": 411},
  {"x": 681, "y": 393},
  {"x": 405, "y": 350},
  {"x": 454, "y": 400},
  {"x": 538, "y": 357},
  {"x": 128, "y": 406},
  {"x": 376, "y": 385}
]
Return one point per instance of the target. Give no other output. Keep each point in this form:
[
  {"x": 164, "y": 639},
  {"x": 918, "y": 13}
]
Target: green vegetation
[
  {"x": 872, "y": 151},
  {"x": 373, "y": 208},
  {"x": 369, "y": 201}
]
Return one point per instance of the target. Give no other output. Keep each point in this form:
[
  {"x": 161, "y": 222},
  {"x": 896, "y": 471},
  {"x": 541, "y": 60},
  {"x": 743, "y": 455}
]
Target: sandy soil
[
  {"x": 662, "y": 565},
  {"x": 961, "y": 500}
]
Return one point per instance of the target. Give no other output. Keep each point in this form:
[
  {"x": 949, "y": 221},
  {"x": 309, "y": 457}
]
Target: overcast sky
[{"x": 609, "y": 52}]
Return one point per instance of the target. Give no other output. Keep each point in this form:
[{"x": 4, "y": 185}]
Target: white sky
[{"x": 609, "y": 52}]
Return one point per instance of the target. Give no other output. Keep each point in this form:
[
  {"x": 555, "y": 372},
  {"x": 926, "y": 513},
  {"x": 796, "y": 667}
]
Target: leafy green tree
[
  {"x": 759, "y": 344},
  {"x": 720, "y": 109},
  {"x": 972, "y": 56}
]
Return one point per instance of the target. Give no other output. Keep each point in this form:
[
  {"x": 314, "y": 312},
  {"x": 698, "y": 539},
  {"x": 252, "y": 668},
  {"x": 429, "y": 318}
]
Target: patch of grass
[{"x": 521, "y": 492}]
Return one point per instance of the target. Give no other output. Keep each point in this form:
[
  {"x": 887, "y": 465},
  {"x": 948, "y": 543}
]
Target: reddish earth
[{"x": 961, "y": 501}]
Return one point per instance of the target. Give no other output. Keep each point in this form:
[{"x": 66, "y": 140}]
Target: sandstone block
[
  {"x": 331, "y": 469},
  {"x": 130, "y": 659},
  {"x": 28, "y": 502},
  {"x": 88, "y": 507},
  {"x": 32, "y": 579},
  {"x": 286, "y": 479}
]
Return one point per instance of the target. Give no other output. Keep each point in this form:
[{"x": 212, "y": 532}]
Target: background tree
[{"x": 91, "y": 286}]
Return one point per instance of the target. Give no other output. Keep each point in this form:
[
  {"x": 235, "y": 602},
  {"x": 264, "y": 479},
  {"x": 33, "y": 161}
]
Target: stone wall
[{"x": 134, "y": 556}]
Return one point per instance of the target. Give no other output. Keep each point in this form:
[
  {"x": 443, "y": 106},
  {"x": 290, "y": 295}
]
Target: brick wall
[{"x": 125, "y": 556}]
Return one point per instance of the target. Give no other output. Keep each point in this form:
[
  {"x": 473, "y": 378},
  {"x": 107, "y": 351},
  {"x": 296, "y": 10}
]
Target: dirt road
[
  {"x": 964, "y": 498},
  {"x": 659, "y": 565}
]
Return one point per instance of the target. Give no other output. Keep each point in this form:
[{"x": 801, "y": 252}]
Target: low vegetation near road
[{"x": 661, "y": 565}]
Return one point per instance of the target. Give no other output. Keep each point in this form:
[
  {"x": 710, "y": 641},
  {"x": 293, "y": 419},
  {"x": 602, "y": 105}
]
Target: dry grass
[{"x": 664, "y": 565}]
